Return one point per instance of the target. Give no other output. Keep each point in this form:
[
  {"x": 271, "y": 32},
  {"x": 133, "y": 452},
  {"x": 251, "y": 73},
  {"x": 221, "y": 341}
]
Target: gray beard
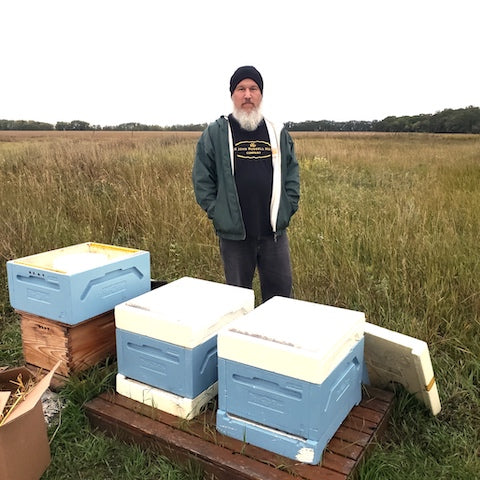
[{"x": 248, "y": 120}]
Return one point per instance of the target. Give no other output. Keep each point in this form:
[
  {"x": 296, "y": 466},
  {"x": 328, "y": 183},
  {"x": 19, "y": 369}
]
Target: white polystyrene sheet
[
  {"x": 392, "y": 357},
  {"x": 185, "y": 312},
  {"x": 292, "y": 337},
  {"x": 162, "y": 400}
]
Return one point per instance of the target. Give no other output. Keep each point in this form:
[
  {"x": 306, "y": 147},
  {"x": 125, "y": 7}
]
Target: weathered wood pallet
[{"x": 224, "y": 458}]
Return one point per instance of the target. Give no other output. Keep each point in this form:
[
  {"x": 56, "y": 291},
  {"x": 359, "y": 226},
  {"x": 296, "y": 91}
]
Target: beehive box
[
  {"x": 75, "y": 283},
  {"x": 289, "y": 374},
  {"x": 175, "y": 368},
  {"x": 166, "y": 338},
  {"x": 78, "y": 347}
]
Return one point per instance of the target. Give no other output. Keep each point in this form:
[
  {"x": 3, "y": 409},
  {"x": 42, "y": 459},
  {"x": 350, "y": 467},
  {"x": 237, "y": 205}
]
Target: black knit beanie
[{"x": 246, "y": 72}]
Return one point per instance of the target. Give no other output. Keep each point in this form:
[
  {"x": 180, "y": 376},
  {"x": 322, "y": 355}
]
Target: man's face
[{"x": 247, "y": 96}]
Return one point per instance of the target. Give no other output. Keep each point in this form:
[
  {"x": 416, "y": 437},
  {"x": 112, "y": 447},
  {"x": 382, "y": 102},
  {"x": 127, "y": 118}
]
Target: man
[{"x": 245, "y": 177}]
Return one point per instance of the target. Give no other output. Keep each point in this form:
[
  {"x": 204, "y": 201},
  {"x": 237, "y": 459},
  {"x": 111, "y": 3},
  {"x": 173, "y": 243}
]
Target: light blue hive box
[
  {"x": 75, "y": 283},
  {"x": 167, "y": 342},
  {"x": 289, "y": 374}
]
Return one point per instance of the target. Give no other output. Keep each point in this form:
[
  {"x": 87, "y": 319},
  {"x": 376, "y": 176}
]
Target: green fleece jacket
[{"x": 214, "y": 182}]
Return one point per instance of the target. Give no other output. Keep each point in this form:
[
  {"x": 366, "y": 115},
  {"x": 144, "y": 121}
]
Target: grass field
[{"x": 388, "y": 224}]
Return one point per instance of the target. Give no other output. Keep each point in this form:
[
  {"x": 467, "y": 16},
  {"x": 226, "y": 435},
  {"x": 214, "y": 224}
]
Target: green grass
[
  {"x": 80, "y": 453},
  {"x": 388, "y": 224}
]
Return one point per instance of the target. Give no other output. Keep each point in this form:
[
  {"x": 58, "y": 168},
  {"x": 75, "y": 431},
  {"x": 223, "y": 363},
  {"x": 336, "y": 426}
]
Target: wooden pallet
[{"x": 224, "y": 458}]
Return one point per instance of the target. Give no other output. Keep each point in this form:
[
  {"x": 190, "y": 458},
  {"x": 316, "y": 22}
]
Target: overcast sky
[{"x": 161, "y": 62}]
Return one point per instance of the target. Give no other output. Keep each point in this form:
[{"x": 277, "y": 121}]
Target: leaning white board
[{"x": 394, "y": 357}]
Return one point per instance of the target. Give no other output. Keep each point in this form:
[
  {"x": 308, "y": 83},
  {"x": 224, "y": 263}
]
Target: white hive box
[
  {"x": 289, "y": 373},
  {"x": 78, "y": 282},
  {"x": 167, "y": 338}
]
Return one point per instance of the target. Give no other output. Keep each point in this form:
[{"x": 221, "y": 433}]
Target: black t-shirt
[{"x": 253, "y": 176}]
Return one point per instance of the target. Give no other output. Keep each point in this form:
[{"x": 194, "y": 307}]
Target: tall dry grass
[
  {"x": 132, "y": 190},
  {"x": 388, "y": 224}
]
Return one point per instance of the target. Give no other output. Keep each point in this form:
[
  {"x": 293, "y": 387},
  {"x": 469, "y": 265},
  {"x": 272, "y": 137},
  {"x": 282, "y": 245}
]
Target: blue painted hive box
[
  {"x": 289, "y": 374},
  {"x": 78, "y": 282},
  {"x": 167, "y": 338}
]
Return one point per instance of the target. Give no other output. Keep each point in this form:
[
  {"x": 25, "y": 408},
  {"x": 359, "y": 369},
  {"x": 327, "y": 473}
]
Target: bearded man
[{"x": 245, "y": 176}]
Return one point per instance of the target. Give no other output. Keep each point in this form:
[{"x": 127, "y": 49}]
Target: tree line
[
  {"x": 80, "y": 125},
  {"x": 463, "y": 120}
]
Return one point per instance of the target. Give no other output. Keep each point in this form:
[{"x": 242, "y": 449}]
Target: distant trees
[
  {"x": 191, "y": 127},
  {"x": 463, "y": 120},
  {"x": 74, "y": 125},
  {"x": 132, "y": 126},
  {"x": 330, "y": 126},
  {"x": 24, "y": 125}
]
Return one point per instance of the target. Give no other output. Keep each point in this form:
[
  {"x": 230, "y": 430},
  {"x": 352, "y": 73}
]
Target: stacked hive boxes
[
  {"x": 167, "y": 342},
  {"x": 66, "y": 298},
  {"x": 289, "y": 374}
]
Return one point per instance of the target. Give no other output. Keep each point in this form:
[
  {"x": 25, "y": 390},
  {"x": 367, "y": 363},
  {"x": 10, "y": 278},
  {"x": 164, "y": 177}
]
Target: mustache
[{"x": 251, "y": 104}]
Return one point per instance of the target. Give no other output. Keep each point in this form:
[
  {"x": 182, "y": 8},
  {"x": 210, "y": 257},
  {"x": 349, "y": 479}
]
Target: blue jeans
[{"x": 270, "y": 256}]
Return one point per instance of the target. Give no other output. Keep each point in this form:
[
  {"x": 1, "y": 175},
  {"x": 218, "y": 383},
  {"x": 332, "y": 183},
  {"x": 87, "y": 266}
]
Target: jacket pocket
[
  {"x": 285, "y": 212},
  {"x": 211, "y": 211}
]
